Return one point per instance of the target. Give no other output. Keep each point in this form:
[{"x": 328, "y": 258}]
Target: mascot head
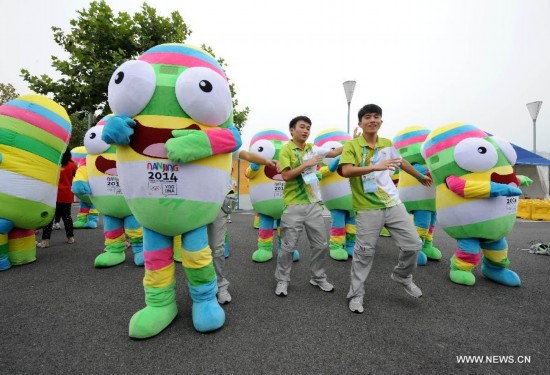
[
  {"x": 409, "y": 141},
  {"x": 170, "y": 87},
  {"x": 268, "y": 143},
  {"x": 34, "y": 133},
  {"x": 465, "y": 151}
]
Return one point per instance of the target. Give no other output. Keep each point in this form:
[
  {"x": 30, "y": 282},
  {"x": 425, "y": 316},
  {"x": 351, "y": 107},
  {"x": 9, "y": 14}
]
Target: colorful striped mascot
[
  {"x": 476, "y": 199},
  {"x": 417, "y": 198},
  {"x": 173, "y": 127},
  {"x": 87, "y": 216},
  {"x": 336, "y": 194},
  {"x": 34, "y": 133},
  {"x": 266, "y": 191},
  {"x": 99, "y": 180}
]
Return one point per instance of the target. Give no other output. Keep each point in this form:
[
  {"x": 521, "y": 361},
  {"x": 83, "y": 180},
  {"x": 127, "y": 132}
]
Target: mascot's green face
[
  {"x": 170, "y": 87},
  {"x": 465, "y": 151}
]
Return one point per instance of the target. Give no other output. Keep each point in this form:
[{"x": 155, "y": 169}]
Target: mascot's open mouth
[
  {"x": 272, "y": 174},
  {"x": 508, "y": 179},
  {"x": 106, "y": 166},
  {"x": 150, "y": 141}
]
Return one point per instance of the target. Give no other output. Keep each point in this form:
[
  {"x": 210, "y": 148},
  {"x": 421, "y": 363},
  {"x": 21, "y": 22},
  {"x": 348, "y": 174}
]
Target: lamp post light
[
  {"x": 534, "y": 108},
  {"x": 349, "y": 87}
]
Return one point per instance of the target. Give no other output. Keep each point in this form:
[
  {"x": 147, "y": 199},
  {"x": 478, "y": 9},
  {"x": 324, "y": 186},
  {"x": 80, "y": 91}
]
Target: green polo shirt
[
  {"x": 387, "y": 194},
  {"x": 295, "y": 191}
]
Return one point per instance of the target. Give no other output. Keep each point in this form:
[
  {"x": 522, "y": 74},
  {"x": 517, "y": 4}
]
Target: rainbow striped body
[
  {"x": 34, "y": 133},
  {"x": 335, "y": 189},
  {"x": 460, "y": 151},
  {"x": 413, "y": 194},
  {"x": 266, "y": 184}
]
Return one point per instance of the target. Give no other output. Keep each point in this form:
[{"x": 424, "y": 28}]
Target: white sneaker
[
  {"x": 356, "y": 305},
  {"x": 44, "y": 244},
  {"x": 282, "y": 289},
  {"x": 410, "y": 287},
  {"x": 223, "y": 296},
  {"x": 56, "y": 226},
  {"x": 323, "y": 284}
]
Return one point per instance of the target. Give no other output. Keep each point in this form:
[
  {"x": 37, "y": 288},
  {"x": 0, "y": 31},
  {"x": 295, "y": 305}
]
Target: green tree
[
  {"x": 99, "y": 41},
  {"x": 79, "y": 128},
  {"x": 7, "y": 92}
]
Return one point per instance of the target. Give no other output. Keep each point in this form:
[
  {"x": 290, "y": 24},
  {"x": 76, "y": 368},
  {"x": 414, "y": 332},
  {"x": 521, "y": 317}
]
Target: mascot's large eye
[
  {"x": 131, "y": 87},
  {"x": 92, "y": 141},
  {"x": 264, "y": 148},
  {"x": 507, "y": 149},
  {"x": 204, "y": 95},
  {"x": 475, "y": 155}
]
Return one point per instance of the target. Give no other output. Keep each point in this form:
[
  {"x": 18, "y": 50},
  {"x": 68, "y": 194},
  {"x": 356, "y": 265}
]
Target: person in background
[
  {"x": 218, "y": 228},
  {"x": 232, "y": 191},
  {"x": 64, "y": 201}
]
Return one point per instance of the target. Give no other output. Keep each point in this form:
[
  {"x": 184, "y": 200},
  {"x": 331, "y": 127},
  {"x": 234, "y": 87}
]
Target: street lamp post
[
  {"x": 534, "y": 108},
  {"x": 349, "y": 87}
]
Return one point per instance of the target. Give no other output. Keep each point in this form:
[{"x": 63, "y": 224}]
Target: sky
[{"x": 425, "y": 62}]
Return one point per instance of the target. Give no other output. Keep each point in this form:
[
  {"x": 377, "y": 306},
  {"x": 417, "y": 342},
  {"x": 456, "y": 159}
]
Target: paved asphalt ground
[{"x": 61, "y": 315}]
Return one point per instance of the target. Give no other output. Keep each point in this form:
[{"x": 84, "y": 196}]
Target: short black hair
[
  {"x": 369, "y": 108},
  {"x": 66, "y": 157},
  {"x": 295, "y": 120}
]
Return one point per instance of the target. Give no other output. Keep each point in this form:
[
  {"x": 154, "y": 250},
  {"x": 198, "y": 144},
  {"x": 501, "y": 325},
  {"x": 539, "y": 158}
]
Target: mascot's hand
[
  {"x": 118, "y": 130},
  {"x": 188, "y": 145},
  {"x": 501, "y": 190},
  {"x": 319, "y": 175},
  {"x": 333, "y": 166},
  {"x": 0, "y": 158},
  {"x": 523, "y": 180},
  {"x": 420, "y": 168},
  {"x": 255, "y": 167},
  {"x": 81, "y": 188}
]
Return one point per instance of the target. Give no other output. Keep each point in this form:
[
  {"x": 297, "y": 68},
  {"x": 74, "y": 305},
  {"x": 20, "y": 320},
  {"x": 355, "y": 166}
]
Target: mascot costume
[
  {"x": 99, "y": 181},
  {"x": 266, "y": 191},
  {"x": 417, "y": 198},
  {"x": 88, "y": 215},
  {"x": 173, "y": 127},
  {"x": 336, "y": 194},
  {"x": 34, "y": 133},
  {"x": 476, "y": 199}
]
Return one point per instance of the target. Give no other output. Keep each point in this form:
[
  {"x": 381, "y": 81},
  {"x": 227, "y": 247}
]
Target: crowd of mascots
[{"x": 159, "y": 170}]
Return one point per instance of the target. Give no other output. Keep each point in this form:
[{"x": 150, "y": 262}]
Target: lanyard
[
  {"x": 299, "y": 156},
  {"x": 363, "y": 163}
]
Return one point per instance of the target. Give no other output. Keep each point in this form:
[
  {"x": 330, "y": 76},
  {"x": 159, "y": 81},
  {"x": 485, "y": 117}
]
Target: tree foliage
[
  {"x": 7, "y": 92},
  {"x": 98, "y": 42}
]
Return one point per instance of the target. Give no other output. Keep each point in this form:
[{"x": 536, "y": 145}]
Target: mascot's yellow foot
[
  {"x": 151, "y": 321},
  {"x": 262, "y": 256},
  {"x": 339, "y": 254},
  {"x": 109, "y": 259},
  {"x": 462, "y": 277}
]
